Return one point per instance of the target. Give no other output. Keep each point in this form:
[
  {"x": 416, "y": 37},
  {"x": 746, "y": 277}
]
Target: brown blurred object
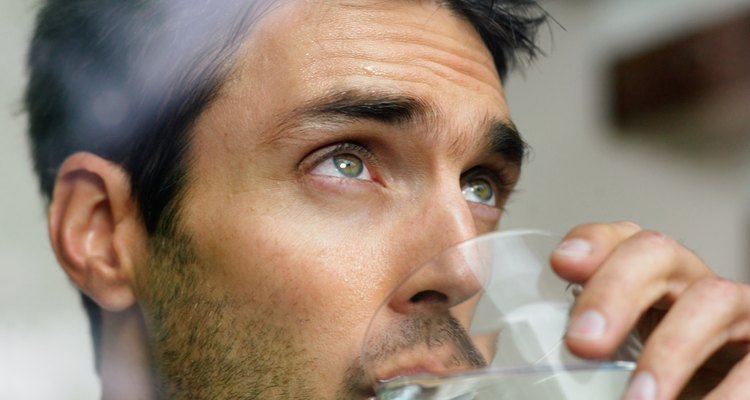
[{"x": 693, "y": 91}]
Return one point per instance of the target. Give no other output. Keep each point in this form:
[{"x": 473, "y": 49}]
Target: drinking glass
[{"x": 486, "y": 319}]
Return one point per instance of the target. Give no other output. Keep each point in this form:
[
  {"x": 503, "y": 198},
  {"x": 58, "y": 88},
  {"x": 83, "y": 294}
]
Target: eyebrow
[
  {"x": 504, "y": 139},
  {"x": 502, "y": 136},
  {"x": 355, "y": 105}
]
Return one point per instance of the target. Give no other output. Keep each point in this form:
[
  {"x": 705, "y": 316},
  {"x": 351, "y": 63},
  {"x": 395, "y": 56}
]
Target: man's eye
[
  {"x": 343, "y": 166},
  {"x": 479, "y": 190}
]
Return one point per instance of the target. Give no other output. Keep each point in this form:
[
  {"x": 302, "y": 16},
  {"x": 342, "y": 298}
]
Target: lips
[
  {"x": 418, "y": 361},
  {"x": 413, "y": 369},
  {"x": 416, "y": 370},
  {"x": 418, "y": 344},
  {"x": 404, "y": 365}
]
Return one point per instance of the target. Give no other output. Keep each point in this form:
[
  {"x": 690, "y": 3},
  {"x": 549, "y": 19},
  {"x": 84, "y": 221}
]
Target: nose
[{"x": 436, "y": 279}]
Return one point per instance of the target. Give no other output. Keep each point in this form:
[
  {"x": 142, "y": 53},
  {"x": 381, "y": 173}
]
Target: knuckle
[
  {"x": 585, "y": 229},
  {"x": 610, "y": 232},
  {"x": 722, "y": 292},
  {"x": 658, "y": 237},
  {"x": 656, "y": 244},
  {"x": 629, "y": 225}
]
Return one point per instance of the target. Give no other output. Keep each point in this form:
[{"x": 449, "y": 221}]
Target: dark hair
[{"x": 126, "y": 79}]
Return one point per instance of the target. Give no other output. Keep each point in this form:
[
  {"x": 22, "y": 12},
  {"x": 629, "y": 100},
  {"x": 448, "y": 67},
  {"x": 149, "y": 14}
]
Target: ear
[{"x": 96, "y": 231}]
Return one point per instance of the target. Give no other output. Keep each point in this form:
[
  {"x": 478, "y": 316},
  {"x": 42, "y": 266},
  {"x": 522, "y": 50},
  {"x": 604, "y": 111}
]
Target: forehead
[
  {"x": 327, "y": 46},
  {"x": 304, "y": 51},
  {"x": 387, "y": 31}
]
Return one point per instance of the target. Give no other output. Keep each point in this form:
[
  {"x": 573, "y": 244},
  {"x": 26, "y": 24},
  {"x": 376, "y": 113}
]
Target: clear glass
[{"x": 486, "y": 319}]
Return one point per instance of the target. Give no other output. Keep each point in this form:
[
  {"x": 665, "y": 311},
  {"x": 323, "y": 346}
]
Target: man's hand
[{"x": 695, "y": 325}]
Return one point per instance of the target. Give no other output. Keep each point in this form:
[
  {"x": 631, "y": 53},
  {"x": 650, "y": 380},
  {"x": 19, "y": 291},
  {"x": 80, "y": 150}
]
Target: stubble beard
[{"x": 203, "y": 346}]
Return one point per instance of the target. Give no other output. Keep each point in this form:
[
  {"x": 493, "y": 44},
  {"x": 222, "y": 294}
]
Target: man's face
[{"x": 351, "y": 143}]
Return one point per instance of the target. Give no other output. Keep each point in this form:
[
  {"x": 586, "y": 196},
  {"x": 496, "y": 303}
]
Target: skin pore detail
[
  {"x": 281, "y": 262},
  {"x": 197, "y": 343}
]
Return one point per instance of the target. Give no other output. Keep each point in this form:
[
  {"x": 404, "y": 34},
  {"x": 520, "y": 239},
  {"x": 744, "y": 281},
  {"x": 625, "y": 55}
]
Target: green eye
[
  {"x": 479, "y": 191},
  {"x": 344, "y": 161},
  {"x": 348, "y": 165}
]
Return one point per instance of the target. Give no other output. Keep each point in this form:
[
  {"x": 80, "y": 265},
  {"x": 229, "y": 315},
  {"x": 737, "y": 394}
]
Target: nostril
[{"x": 429, "y": 297}]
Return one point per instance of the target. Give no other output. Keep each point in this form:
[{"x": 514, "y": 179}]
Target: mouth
[
  {"x": 406, "y": 366},
  {"x": 417, "y": 359},
  {"x": 405, "y": 382},
  {"x": 416, "y": 369},
  {"x": 418, "y": 347},
  {"x": 397, "y": 375}
]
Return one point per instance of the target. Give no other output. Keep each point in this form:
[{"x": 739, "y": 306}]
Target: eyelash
[
  {"x": 342, "y": 148},
  {"x": 497, "y": 179}
]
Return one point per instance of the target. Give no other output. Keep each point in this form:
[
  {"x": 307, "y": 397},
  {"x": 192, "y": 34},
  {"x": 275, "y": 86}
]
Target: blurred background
[{"x": 640, "y": 110}]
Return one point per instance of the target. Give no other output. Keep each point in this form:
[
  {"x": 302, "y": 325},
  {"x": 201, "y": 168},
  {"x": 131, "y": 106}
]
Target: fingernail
[
  {"x": 642, "y": 387},
  {"x": 589, "y": 325},
  {"x": 574, "y": 248}
]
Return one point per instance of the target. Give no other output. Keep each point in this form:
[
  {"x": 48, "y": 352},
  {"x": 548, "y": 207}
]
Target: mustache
[{"x": 433, "y": 332}]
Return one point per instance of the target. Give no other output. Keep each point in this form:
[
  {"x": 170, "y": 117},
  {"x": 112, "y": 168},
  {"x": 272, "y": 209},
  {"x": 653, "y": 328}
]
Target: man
[{"x": 236, "y": 186}]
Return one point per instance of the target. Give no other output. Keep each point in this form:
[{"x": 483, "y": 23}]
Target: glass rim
[{"x": 429, "y": 380}]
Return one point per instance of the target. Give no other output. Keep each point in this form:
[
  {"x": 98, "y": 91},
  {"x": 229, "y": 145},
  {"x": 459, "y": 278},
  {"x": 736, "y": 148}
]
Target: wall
[
  {"x": 582, "y": 170},
  {"x": 45, "y": 352}
]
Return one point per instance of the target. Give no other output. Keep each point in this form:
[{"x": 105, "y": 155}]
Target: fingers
[
  {"x": 709, "y": 314},
  {"x": 585, "y": 247},
  {"x": 626, "y": 272},
  {"x": 629, "y": 277}
]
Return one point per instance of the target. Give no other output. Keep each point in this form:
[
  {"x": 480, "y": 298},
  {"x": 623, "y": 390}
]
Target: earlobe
[{"x": 95, "y": 229}]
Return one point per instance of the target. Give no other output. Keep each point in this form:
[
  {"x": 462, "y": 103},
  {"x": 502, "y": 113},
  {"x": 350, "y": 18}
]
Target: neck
[{"x": 126, "y": 372}]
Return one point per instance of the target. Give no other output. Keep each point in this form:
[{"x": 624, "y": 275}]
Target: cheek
[
  {"x": 299, "y": 273},
  {"x": 304, "y": 273}
]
